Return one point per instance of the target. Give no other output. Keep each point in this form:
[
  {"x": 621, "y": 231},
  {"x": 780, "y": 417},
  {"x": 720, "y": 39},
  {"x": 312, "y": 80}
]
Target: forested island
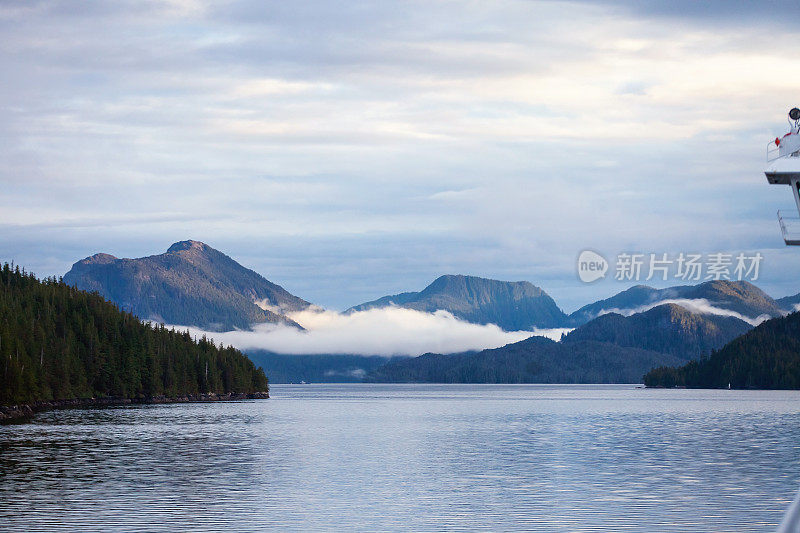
[
  {"x": 767, "y": 357},
  {"x": 61, "y": 344}
]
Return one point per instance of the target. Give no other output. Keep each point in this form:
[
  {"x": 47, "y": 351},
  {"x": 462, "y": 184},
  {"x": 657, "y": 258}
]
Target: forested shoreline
[
  {"x": 58, "y": 343},
  {"x": 767, "y": 357}
]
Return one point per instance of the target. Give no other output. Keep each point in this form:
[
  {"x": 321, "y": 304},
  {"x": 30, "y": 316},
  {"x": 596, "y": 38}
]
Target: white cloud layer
[
  {"x": 698, "y": 305},
  {"x": 387, "y": 332}
]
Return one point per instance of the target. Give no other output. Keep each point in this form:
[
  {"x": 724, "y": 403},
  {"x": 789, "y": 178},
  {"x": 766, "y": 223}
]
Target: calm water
[{"x": 419, "y": 457}]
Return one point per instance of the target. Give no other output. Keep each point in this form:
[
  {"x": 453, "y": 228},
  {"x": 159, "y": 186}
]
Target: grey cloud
[
  {"x": 122, "y": 124},
  {"x": 713, "y": 12}
]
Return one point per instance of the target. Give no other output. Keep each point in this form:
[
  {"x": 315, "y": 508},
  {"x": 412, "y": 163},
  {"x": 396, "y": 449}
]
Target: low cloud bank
[
  {"x": 551, "y": 333},
  {"x": 386, "y": 331},
  {"x": 699, "y": 306}
]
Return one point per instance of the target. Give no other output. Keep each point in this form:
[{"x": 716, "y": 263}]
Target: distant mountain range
[
  {"x": 523, "y": 306},
  {"x": 768, "y": 357},
  {"x": 618, "y": 338},
  {"x": 738, "y": 296},
  {"x": 514, "y": 306},
  {"x": 190, "y": 284},
  {"x": 609, "y": 349}
]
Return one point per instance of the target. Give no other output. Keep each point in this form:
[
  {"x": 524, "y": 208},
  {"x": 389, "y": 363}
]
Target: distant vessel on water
[{"x": 783, "y": 168}]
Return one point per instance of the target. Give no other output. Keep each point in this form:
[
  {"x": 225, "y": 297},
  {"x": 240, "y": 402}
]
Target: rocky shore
[{"x": 13, "y": 413}]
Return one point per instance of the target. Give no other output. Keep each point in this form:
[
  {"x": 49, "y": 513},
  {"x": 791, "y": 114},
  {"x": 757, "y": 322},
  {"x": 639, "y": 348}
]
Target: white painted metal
[{"x": 783, "y": 157}]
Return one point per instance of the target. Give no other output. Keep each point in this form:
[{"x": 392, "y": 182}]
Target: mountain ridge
[
  {"x": 667, "y": 328},
  {"x": 789, "y": 304},
  {"x": 512, "y": 305},
  {"x": 533, "y": 360},
  {"x": 738, "y": 296},
  {"x": 189, "y": 284}
]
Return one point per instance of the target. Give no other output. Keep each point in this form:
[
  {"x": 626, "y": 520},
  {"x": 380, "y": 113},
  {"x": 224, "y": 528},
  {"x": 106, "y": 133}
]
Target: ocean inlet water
[{"x": 411, "y": 457}]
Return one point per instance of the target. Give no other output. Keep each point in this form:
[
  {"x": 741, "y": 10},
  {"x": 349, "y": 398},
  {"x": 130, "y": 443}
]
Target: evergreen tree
[
  {"x": 57, "y": 342},
  {"x": 768, "y": 357}
]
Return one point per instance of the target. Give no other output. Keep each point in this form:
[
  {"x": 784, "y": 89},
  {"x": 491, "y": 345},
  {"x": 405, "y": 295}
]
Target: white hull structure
[{"x": 783, "y": 168}]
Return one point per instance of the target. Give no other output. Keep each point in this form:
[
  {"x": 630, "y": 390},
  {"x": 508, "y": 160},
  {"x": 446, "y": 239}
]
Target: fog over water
[{"x": 386, "y": 331}]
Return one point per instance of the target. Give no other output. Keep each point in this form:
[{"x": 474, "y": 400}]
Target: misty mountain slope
[
  {"x": 788, "y": 303},
  {"x": 511, "y": 305},
  {"x": 739, "y": 296},
  {"x": 534, "y": 360},
  {"x": 399, "y": 300},
  {"x": 190, "y": 284},
  {"x": 666, "y": 328},
  {"x": 628, "y": 299}
]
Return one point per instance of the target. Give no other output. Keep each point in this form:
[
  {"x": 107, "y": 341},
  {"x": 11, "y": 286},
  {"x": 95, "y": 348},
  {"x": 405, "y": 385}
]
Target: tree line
[
  {"x": 767, "y": 357},
  {"x": 58, "y": 342}
]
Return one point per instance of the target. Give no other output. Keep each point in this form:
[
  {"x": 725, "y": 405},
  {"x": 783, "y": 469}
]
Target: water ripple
[{"x": 411, "y": 457}]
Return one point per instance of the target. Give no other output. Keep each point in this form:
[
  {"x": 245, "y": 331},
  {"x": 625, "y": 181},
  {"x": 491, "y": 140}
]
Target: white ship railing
[
  {"x": 773, "y": 151},
  {"x": 790, "y": 228}
]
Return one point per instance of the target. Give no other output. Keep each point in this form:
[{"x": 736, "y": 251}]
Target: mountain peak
[
  {"x": 190, "y": 284},
  {"x": 739, "y": 296},
  {"x": 470, "y": 284},
  {"x": 666, "y": 328},
  {"x": 732, "y": 286},
  {"x": 513, "y": 306},
  {"x": 188, "y": 245},
  {"x": 100, "y": 259}
]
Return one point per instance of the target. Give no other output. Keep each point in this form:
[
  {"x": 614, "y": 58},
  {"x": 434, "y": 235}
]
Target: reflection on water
[{"x": 420, "y": 457}]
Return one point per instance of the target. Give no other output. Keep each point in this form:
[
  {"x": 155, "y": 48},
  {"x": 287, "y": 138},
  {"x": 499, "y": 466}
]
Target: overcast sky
[{"x": 348, "y": 150}]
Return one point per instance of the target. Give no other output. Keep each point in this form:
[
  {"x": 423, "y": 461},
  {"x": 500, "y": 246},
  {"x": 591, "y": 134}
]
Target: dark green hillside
[
  {"x": 666, "y": 328},
  {"x": 767, "y": 357},
  {"x": 316, "y": 368},
  {"x": 534, "y": 360},
  {"x": 57, "y": 342}
]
